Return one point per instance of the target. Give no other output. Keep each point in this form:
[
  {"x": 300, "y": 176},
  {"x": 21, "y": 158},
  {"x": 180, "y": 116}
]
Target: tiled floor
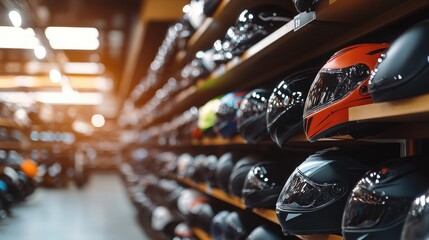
[{"x": 100, "y": 211}]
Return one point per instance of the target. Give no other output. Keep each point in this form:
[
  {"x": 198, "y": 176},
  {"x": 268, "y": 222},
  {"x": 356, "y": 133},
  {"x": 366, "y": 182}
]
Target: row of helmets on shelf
[
  {"x": 18, "y": 180},
  {"x": 171, "y": 211},
  {"x": 252, "y": 25},
  {"x": 359, "y": 192},
  {"x": 313, "y": 100}
]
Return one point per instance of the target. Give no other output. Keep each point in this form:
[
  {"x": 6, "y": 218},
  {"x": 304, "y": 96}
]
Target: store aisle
[{"x": 100, "y": 211}]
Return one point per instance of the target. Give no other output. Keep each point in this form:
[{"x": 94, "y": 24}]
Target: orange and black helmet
[{"x": 340, "y": 84}]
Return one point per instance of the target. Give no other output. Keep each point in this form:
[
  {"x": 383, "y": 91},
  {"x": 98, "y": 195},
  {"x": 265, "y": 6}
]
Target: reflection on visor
[
  {"x": 300, "y": 193},
  {"x": 258, "y": 179},
  {"x": 367, "y": 208},
  {"x": 332, "y": 84}
]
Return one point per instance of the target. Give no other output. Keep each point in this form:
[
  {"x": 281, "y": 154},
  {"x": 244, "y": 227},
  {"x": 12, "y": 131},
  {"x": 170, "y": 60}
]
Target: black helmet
[
  {"x": 223, "y": 170},
  {"x": 304, "y": 5},
  {"x": 198, "y": 165},
  {"x": 403, "y": 71},
  {"x": 251, "y": 26},
  {"x": 183, "y": 232},
  {"x": 286, "y": 105},
  {"x": 265, "y": 232},
  {"x": 239, "y": 174},
  {"x": 235, "y": 228},
  {"x": 251, "y": 116},
  {"x": 416, "y": 226},
  {"x": 264, "y": 183},
  {"x": 210, "y": 6},
  {"x": 209, "y": 170},
  {"x": 217, "y": 226},
  {"x": 226, "y": 116},
  {"x": 380, "y": 201},
  {"x": 318, "y": 189},
  {"x": 203, "y": 215}
]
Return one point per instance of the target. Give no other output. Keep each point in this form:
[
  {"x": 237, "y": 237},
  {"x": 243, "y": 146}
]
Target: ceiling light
[
  {"x": 15, "y": 18},
  {"x": 55, "y": 76},
  {"x": 17, "y": 38},
  {"x": 97, "y": 120},
  {"x": 73, "y": 38},
  {"x": 83, "y": 68},
  {"x": 40, "y": 52}
]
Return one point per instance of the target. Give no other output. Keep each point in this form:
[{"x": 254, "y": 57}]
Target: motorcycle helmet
[
  {"x": 183, "y": 232},
  {"x": 210, "y": 6},
  {"x": 403, "y": 70},
  {"x": 223, "y": 170},
  {"x": 379, "y": 202},
  {"x": 217, "y": 226},
  {"x": 251, "y": 26},
  {"x": 235, "y": 228},
  {"x": 207, "y": 117},
  {"x": 265, "y": 232},
  {"x": 207, "y": 170},
  {"x": 416, "y": 226},
  {"x": 160, "y": 218},
  {"x": 239, "y": 174},
  {"x": 203, "y": 215},
  {"x": 340, "y": 84},
  {"x": 188, "y": 200},
  {"x": 183, "y": 162},
  {"x": 198, "y": 165},
  {"x": 264, "y": 183},
  {"x": 304, "y": 5},
  {"x": 318, "y": 189},
  {"x": 226, "y": 120},
  {"x": 251, "y": 115},
  {"x": 286, "y": 105}
]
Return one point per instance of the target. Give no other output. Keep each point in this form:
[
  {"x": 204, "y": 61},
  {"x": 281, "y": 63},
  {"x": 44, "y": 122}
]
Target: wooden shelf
[
  {"x": 337, "y": 23},
  {"x": 11, "y": 145},
  {"x": 219, "y": 141},
  {"x": 267, "y": 214},
  {"x": 201, "y": 234}
]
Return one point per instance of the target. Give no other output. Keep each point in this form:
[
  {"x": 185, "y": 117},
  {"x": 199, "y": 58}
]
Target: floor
[{"x": 99, "y": 211}]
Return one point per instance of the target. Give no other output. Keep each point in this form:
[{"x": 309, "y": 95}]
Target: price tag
[{"x": 303, "y": 19}]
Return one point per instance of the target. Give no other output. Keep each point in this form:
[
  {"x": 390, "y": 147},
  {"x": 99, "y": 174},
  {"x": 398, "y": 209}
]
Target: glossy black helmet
[
  {"x": 239, "y": 174},
  {"x": 416, "y": 226},
  {"x": 379, "y": 203},
  {"x": 217, "y": 226},
  {"x": 235, "y": 228},
  {"x": 251, "y": 26},
  {"x": 318, "y": 189},
  {"x": 286, "y": 106},
  {"x": 403, "y": 71},
  {"x": 251, "y": 116},
  {"x": 265, "y": 232},
  {"x": 304, "y": 5},
  {"x": 226, "y": 116},
  {"x": 264, "y": 182}
]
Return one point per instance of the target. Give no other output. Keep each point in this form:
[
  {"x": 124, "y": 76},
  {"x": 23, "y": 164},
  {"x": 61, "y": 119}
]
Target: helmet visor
[
  {"x": 301, "y": 194},
  {"x": 332, "y": 84},
  {"x": 367, "y": 208}
]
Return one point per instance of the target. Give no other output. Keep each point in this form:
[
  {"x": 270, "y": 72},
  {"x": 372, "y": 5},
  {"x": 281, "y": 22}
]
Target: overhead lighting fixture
[
  {"x": 40, "y": 52},
  {"x": 15, "y": 18},
  {"x": 55, "y": 76},
  {"x": 98, "y": 120},
  {"x": 83, "y": 68},
  {"x": 73, "y": 38},
  {"x": 18, "y": 38}
]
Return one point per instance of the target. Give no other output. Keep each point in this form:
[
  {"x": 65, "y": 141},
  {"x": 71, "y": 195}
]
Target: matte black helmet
[
  {"x": 224, "y": 169},
  {"x": 239, "y": 174},
  {"x": 264, "y": 183},
  {"x": 286, "y": 106},
  {"x": 252, "y": 115},
  {"x": 403, "y": 71},
  {"x": 318, "y": 189},
  {"x": 379, "y": 202},
  {"x": 265, "y": 232}
]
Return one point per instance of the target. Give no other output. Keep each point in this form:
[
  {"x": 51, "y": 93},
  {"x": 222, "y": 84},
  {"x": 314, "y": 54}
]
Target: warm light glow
[
  {"x": 40, "y": 52},
  {"x": 73, "y": 38},
  {"x": 15, "y": 18},
  {"x": 17, "y": 38},
  {"x": 83, "y": 68},
  {"x": 54, "y": 98},
  {"x": 98, "y": 120},
  {"x": 55, "y": 76}
]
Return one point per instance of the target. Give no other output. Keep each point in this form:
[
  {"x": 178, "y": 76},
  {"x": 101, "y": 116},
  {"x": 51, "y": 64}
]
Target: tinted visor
[
  {"x": 367, "y": 208},
  {"x": 301, "y": 194},
  {"x": 330, "y": 85},
  {"x": 260, "y": 177}
]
